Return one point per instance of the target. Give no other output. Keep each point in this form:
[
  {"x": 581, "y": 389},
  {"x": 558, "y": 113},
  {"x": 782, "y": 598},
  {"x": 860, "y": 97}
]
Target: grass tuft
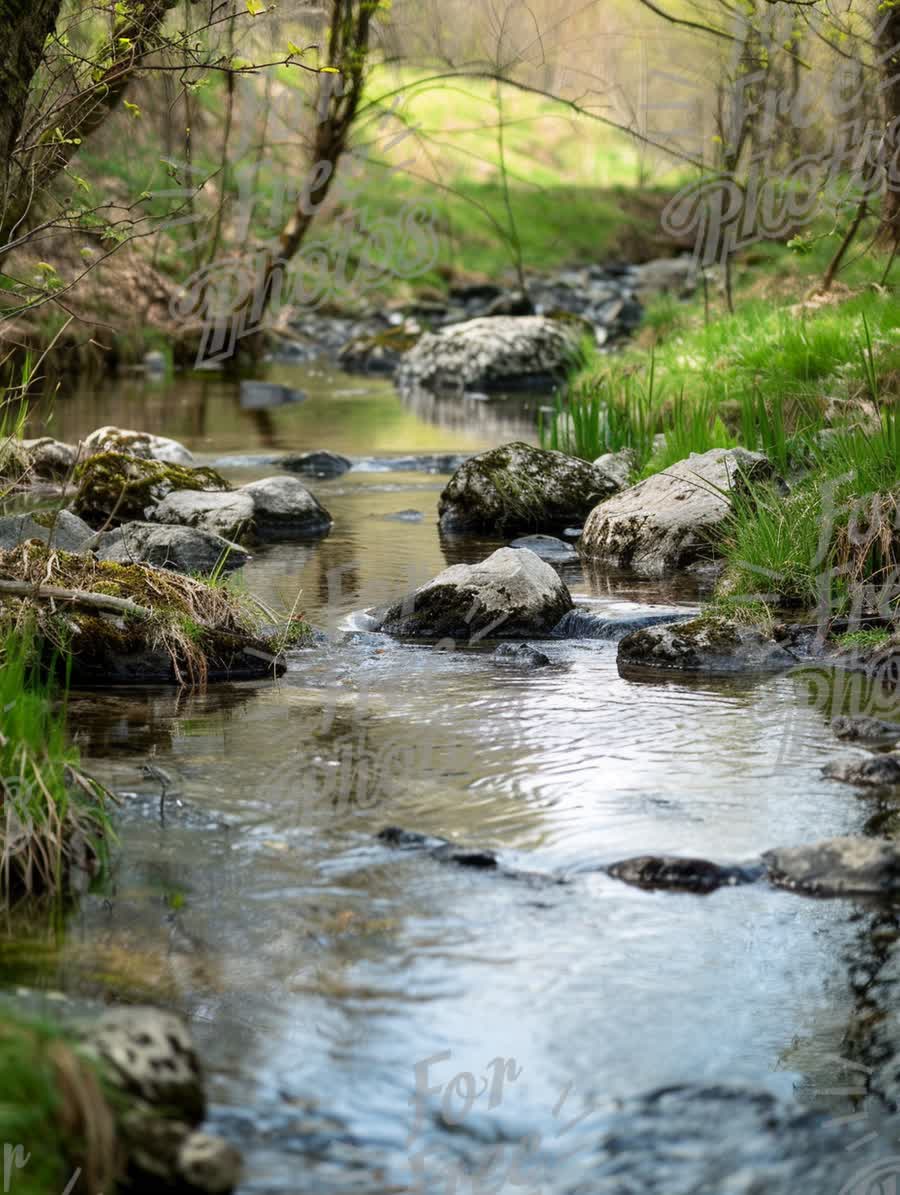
[{"x": 54, "y": 816}]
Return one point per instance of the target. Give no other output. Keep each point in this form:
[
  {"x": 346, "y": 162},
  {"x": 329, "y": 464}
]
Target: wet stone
[
  {"x": 863, "y": 728},
  {"x": 523, "y": 655},
  {"x": 681, "y": 874},
  {"x": 874, "y": 770}
]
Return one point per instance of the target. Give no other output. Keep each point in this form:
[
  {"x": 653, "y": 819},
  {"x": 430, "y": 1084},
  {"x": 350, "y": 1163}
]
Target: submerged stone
[
  {"x": 681, "y": 874},
  {"x": 521, "y": 654},
  {"x": 585, "y": 624},
  {"x": 706, "y": 644},
  {"x": 315, "y": 464},
  {"x": 556, "y": 551}
]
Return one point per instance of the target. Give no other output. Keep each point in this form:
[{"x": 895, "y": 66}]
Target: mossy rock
[
  {"x": 521, "y": 488},
  {"x": 380, "y": 353},
  {"x": 177, "y": 629},
  {"x": 711, "y": 643},
  {"x": 115, "y": 488}
]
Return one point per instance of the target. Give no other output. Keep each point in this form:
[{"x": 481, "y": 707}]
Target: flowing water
[{"x": 322, "y": 970}]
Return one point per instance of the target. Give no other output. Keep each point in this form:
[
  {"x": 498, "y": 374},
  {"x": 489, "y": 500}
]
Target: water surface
[{"x": 320, "y": 968}]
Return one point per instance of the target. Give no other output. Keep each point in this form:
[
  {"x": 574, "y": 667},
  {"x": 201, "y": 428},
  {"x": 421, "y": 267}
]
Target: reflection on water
[
  {"x": 359, "y": 416},
  {"x": 319, "y": 966}
]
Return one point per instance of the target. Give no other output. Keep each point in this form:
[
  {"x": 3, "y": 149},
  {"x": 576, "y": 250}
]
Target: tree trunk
[
  {"x": 887, "y": 47},
  {"x": 23, "y": 181},
  {"x": 24, "y": 27}
]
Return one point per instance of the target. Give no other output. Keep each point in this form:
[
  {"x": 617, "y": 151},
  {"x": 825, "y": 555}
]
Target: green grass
[
  {"x": 54, "y": 1118},
  {"x": 869, "y": 638},
  {"x": 771, "y": 377},
  {"x": 577, "y": 191},
  {"x": 52, "y": 811}
]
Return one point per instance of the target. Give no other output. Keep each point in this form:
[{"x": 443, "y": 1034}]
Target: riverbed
[{"x": 373, "y": 1019}]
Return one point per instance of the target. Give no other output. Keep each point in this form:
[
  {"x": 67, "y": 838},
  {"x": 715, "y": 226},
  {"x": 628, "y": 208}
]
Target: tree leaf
[{"x": 255, "y": 7}]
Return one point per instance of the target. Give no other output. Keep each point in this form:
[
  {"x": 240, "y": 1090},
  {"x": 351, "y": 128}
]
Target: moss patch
[
  {"x": 115, "y": 488},
  {"x": 190, "y": 631}
]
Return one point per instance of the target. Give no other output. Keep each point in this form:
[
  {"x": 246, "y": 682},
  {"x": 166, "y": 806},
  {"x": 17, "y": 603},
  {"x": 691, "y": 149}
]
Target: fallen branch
[{"x": 75, "y": 597}]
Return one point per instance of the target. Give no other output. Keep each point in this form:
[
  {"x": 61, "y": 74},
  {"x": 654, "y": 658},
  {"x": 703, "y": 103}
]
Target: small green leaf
[
  {"x": 294, "y": 49},
  {"x": 133, "y": 109},
  {"x": 255, "y": 7}
]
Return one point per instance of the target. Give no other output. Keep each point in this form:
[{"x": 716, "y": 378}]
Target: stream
[{"x": 374, "y": 1019}]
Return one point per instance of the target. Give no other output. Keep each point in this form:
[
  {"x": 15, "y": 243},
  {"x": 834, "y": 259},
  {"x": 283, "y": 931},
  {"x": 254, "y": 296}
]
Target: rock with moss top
[
  {"x": 115, "y": 488},
  {"x": 673, "y": 519},
  {"x": 511, "y": 595},
  {"x": 495, "y": 353},
  {"x": 710, "y": 643},
  {"x": 141, "y": 444},
  {"x": 378, "y": 353},
  {"x": 521, "y": 488},
  {"x": 182, "y": 549}
]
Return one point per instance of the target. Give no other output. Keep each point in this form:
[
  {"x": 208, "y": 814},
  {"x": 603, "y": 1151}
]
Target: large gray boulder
[
  {"x": 283, "y": 508},
  {"x": 706, "y": 644},
  {"x": 521, "y": 488},
  {"x": 672, "y": 519},
  {"x": 142, "y": 444},
  {"x": 837, "y": 866},
  {"x": 227, "y": 514},
  {"x": 188, "y": 550},
  {"x": 494, "y": 353},
  {"x": 60, "y": 529},
  {"x": 511, "y": 595},
  {"x": 548, "y": 547}
]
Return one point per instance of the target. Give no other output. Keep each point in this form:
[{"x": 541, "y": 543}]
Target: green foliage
[
  {"x": 54, "y": 1108},
  {"x": 771, "y": 545},
  {"x": 867, "y": 638},
  {"x": 51, "y": 810},
  {"x": 691, "y": 426}
]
